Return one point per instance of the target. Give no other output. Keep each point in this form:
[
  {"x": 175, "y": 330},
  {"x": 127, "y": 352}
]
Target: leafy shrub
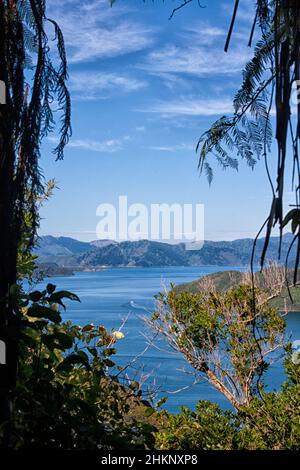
[
  {"x": 273, "y": 421},
  {"x": 208, "y": 428},
  {"x": 225, "y": 337},
  {"x": 66, "y": 397},
  {"x": 269, "y": 422}
]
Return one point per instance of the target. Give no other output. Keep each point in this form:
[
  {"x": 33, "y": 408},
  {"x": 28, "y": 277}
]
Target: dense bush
[
  {"x": 207, "y": 428},
  {"x": 271, "y": 422},
  {"x": 66, "y": 397}
]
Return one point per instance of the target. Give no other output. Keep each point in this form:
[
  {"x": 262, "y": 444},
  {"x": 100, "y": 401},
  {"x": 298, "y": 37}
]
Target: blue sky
[{"x": 143, "y": 89}]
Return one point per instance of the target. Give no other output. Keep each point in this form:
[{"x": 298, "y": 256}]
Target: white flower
[{"x": 118, "y": 335}]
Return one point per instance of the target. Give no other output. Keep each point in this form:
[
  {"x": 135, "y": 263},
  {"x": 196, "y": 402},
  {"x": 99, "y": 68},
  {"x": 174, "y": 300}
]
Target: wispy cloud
[
  {"x": 199, "y": 52},
  {"x": 246, "y": 11},
  {"x": 192, "y": 107},
  {"x": 173, "y": 148},
  {"x": 93, "y": 30},
  {"x": 204, "y": 33},
  {"x": 94, "y": 85},
  {"x": 195, "y": 60},
  {"x": 105, "y": 146}
]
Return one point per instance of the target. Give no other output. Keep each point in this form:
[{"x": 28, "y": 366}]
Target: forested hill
[
  {"x": 67, "y": 252},
  {"x": 225, "y": 280}
]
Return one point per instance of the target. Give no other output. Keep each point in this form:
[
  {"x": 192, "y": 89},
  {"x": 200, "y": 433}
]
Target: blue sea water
[{"x": 109, "y": 296}]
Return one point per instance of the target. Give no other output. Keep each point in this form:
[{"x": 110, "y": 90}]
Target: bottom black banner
[{"x": 141, "y": 459}]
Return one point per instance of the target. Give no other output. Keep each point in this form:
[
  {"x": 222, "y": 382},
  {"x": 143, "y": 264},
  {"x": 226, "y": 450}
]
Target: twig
[{"x": 182, "y": 5}]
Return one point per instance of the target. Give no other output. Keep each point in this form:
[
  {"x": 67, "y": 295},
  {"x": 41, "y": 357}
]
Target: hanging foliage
[
  {"x": 268, "y": 81},
  {"x": 33, "y": 83}
]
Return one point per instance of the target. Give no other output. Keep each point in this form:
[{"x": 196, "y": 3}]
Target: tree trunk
[
  {"x": 213, "y": 379},
  {"x": 8, "y": 238}
]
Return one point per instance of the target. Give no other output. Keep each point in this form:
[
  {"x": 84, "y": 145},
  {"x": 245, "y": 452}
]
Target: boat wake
[{"x": 132, "y": 305}]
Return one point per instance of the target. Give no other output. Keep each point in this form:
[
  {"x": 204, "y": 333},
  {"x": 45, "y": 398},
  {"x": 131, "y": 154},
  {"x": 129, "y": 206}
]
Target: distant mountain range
[{"x": 71, "y": 254}]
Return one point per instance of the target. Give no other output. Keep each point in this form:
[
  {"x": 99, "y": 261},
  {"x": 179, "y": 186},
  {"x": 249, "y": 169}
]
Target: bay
[{"x": 109, "y": 296}]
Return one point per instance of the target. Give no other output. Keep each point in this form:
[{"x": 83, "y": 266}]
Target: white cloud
[
  {"x": 106, "y": 146},
  {"x": 204, "y": 33},
  {"x": 246, "y": 11},
  {"x": 199, "y": 52},
  {"x": 110, "y": 146},
  {"x": 94, "y": 85},
  {"x": 93, "y": 30},
  {"x": 192, "y": 107},
  {"x": 197, "y": 60},
  {"x": 173, "y": 148}
]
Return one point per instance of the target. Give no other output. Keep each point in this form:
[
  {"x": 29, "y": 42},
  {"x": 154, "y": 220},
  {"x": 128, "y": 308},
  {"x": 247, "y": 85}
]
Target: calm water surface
[{"x": 109, "y": 296}]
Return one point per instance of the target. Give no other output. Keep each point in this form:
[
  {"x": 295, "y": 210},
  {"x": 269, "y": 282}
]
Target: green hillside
[{"x": 227, "y": 279}]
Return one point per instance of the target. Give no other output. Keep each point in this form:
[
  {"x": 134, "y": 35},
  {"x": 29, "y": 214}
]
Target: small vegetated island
[{"x": 287, "y": 299}]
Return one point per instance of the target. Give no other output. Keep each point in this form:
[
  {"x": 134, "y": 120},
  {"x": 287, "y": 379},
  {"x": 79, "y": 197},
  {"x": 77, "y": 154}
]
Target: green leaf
[
  {"x": 51, "y": 288},
  {"x": 40, "y": 311},
  {"x": 294, "y": 216},
  {"x": 146, "y": 403},
  {"x": 84, "y": 356},
  {"x": 295, "y": 223},
  {"x": 51, "y": 342},
  {"x": 161, "y": 402},
  {"x": 109, "y": 352},
  {"x": 134, "y": 385},
  {"x": 93, "y": 351},
  {"x": 35, "y": 296},
  {"x": 88, "y": 328},
  {"x": 63, "y": 294},
  {"x": 73, "y": 359},
  {"x": 108, "y": 363},
  {"x": 149, "y": 412},
  {"x": 64, "y": 339}
]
